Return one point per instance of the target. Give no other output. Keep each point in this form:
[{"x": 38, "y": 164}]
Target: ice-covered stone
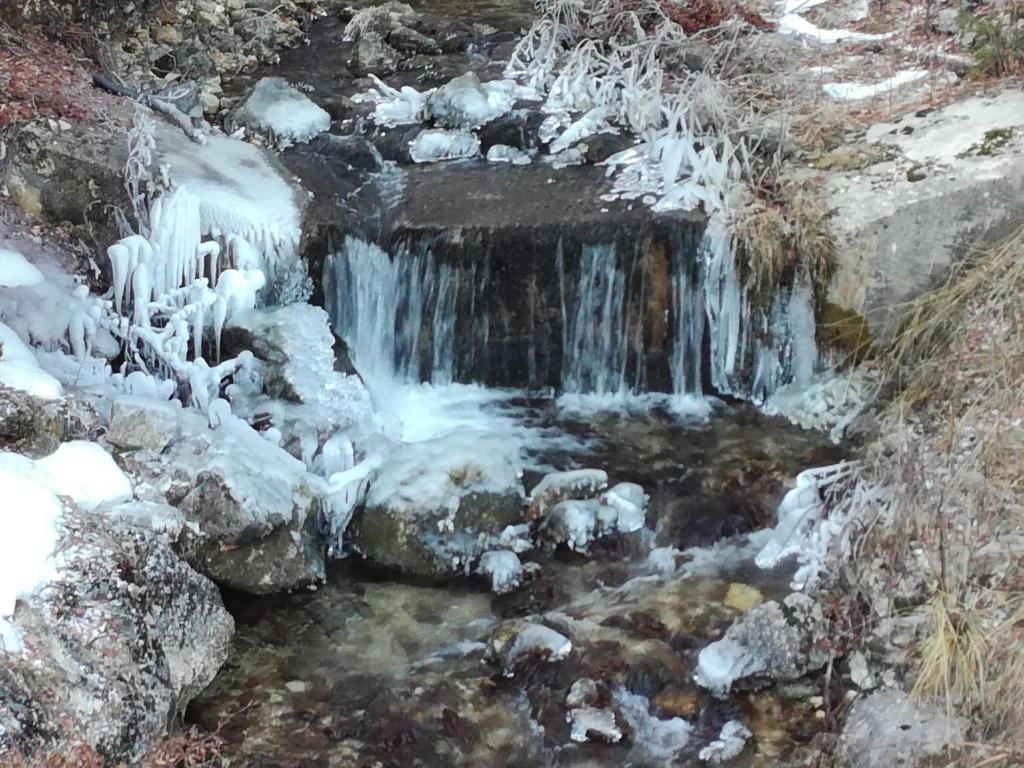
[
  {"x": 142, "y": 422},
  {"x": 583, "y": 693},
  {"x": 590, "y": 724},
  {"x": 574, "y": 523},
  {"x": 729, "y": 744},
  {"x": 16, "y": 271},
  {"x": 560, "y": 486},
  {"x": 514, "y": 643},
  {"x": 437, "y": 505},
  {"x": 503, "y": 153},
  {"x": 282, "y": 112},
  {"x": 503, "y": 568},
  {"x": 630, "y": 503},
  {"x": 767, "y": 643},
  {"x": 434, "y": 144}
]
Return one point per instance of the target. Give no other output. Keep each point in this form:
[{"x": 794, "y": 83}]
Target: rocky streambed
[{"x": 590, "y": 661}]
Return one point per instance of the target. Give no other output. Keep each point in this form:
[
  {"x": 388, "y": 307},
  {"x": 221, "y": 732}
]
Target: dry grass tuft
[{"x": 784, "y": 232}]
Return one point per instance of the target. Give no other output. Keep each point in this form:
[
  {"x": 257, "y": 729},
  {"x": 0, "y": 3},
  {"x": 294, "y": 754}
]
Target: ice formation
[
  {"x": 28, "y": 537},
  {"x": 435, "y": 144},
  {"x": 661, "y": 739},
  {"x": 795, "y": 24},
  {"x": 590, "y": 724},
  {"x": 630, "y": 504},
  {"x": 560, "y": 486},
  {"x": 725, "y": 661},
  {"x": 538, "y": 640},
  {"x": 729, "y": 744},
  {"x": 503, "y": 568},
  {"x": 503, "y": 153},
  {"x": 810, "y": 523}
]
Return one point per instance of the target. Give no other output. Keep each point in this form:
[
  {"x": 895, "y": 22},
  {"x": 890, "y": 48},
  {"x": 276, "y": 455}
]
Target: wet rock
[
  {"x": 604, "y": 145},
  {"x": 374, "y": 55},
  {"x": 184, "y": 96},
  {"x": 281, "y": 112},
  {"x": 771, "y": 642},
  {"x": 124, "y": 636},
  {"x": 70, "y": 175},
  {"x": 889, "y": 728},
  {"x": 410, "y": 41},
  {"x": 394, "y": 144},
  {"x": 519, "y": 128},
  {"x": 436, "y": 506},
  {"x": 142, "y": 422}
]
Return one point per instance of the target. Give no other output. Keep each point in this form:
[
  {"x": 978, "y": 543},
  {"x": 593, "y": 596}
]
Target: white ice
[
  {"x": 794, "y": 24},
  {"x": 724, "y": 661},
  {"x": 660, "y": 739},
  {"x": 432, "y": 145},
  {"x": 590, "y": 724},
  {"x": 281, "y": 110},
  {"x": 503, "y": 568},
  {"x": 729, "y": 744},
  {"x": 630, "y": 504},
  {"x": 503, "y": 153}
]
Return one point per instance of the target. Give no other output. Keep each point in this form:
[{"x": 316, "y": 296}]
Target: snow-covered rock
[
  {"x": 16, "y": 271},
  {"x": 769, "y": 642},
  {"x": 281, "y": 112},
  {"x": 503, "y": 153},
  {"x": 578, "y": 522},
  {"x": 19, "y": 368},
  {"x": 438, "y": 505}
]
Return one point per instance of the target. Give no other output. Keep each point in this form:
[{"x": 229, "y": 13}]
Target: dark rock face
[{"x": 117, "y": 645}]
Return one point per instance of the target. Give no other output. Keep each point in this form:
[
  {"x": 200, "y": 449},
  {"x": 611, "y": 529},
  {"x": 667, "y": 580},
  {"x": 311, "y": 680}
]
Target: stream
[{"x": 372, "y": 669}]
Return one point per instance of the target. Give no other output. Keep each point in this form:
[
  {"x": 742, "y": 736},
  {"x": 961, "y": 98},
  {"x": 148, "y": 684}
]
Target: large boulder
[
  {"x": 889, "y": 728},
  {"x": 770, "y": 642},
  {"x": 438, "y": 505},
  {"x": 252, "y": 509},
  {"x": 114, "y": 647}
]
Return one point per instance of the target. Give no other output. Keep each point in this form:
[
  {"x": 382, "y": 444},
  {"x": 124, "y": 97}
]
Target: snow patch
[
  {"x": 858, "y": 91},
  {"x": 16, "y": 271}
]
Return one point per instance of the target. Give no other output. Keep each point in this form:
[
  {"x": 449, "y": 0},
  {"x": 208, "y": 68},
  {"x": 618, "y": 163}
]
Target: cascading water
[
  {"x": 380, "y": 306},
  {"x": 594, "y": 328},
  {"x": 412, "y": 316}
]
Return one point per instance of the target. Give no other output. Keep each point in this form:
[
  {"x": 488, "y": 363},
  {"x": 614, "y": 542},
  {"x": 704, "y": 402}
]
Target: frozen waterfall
[{"x": 594, "y": 318}]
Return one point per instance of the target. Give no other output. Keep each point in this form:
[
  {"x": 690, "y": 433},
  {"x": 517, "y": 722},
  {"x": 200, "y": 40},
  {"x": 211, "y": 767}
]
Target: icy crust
[
  {"x": 729, "y": 744},
  {"x": 559, "y": 486},
  {"x": 282, "y": 112},
  {"x": 434, "y": 476},
  {"x": 503, "y": 568},
  {"x": 240, "y": 195},
  {"x": 434, "y": 144}
]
